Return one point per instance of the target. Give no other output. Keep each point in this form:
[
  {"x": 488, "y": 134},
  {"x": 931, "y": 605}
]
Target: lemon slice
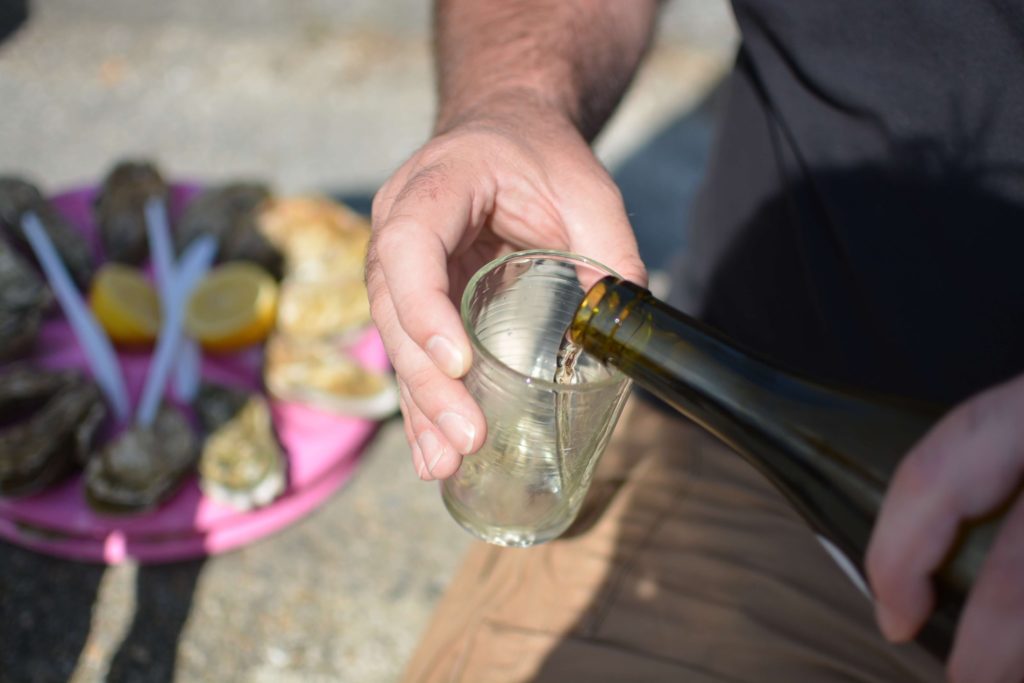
[
  {"x": 125, "y": 304},
  {"x": 234, "y": 306}
]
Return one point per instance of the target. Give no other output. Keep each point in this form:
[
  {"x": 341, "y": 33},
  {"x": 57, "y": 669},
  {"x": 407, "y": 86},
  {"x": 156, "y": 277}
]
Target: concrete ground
[{"x": 310, "y": 95}]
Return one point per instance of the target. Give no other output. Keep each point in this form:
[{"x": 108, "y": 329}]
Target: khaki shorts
[{"x": 685, "y": 565}]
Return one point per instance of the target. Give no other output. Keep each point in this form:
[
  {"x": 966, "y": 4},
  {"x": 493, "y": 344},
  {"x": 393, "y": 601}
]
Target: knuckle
[
  {"x": 408, "y": 306},
  {"x": 420, "y": 383},
  {"x": 390, "y": 239},
  {"x": 429, "y": 183}
]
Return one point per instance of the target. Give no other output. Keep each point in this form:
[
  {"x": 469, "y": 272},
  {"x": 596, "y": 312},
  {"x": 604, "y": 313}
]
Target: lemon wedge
[
  {"x": 125, "y": 304},
  {"x": 232, "y": 307}
]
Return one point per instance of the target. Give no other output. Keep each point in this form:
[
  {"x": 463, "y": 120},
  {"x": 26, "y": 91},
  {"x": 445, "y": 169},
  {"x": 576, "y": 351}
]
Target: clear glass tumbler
[{"x": 526, "y": 484}]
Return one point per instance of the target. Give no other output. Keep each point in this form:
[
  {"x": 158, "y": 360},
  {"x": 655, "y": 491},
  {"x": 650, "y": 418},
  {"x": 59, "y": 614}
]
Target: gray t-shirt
[{"x": 862, "y": 217}]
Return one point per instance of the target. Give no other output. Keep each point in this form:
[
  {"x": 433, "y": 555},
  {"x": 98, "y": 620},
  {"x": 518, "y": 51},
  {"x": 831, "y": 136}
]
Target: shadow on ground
[{"x": 46, "y": 612}]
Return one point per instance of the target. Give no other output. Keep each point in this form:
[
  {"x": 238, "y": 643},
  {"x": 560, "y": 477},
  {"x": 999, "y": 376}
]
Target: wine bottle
[{"x": 830, "y": 451}]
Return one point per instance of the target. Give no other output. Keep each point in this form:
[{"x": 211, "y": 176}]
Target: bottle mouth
[
  {"x": 588, "y": 308},
  {"x": 604, "y": 316}
]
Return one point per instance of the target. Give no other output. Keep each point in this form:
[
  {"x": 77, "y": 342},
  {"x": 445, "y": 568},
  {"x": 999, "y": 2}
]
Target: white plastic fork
[{"x": 95, "y": 344}]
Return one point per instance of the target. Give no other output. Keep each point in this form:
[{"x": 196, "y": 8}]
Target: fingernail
[
  {"x": 432, "y": 450},
  {"x": 458, "y": 430},
  {"x": 893, "y": 626},
  {"x": 446, "y": 356}
]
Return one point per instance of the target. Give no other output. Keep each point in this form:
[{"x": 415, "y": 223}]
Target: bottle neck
[{"x": 814, "y": 442}]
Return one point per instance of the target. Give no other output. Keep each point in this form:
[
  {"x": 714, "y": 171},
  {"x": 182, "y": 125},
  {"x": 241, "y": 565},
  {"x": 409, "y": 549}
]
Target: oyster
[
  {"x": 242, "y": 463},
  {"x": 142, "y": 466},
  {"x": 121, "y": 209},
  {"x": 24, "y": 299},
  {"x": 323, "y": 294},
  {"x": 322, "y": 307},
  {"x": 319, "y": 237},
  {"x": 320, "y": 374},
  {"x": 217, "y": 404},
  {"x": 18, "y": 196},
  {"x": 230, "y": 213},
  {"x": 53, "y": 417}
]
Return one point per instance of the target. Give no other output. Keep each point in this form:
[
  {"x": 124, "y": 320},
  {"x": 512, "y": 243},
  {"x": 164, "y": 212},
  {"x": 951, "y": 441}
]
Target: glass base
[{"x": 507, "y": 537}]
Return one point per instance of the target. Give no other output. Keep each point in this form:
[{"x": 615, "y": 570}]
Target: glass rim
[{"x": 616, "y": 376}]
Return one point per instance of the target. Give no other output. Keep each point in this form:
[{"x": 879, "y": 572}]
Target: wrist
[{"x": 510, "y": 107}]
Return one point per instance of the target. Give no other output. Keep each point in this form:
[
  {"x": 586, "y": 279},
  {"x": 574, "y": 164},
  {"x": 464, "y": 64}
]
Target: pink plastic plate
[{"x": 322, "y": 452}]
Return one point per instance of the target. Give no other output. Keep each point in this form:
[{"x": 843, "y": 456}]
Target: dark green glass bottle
[{"x": 831, "y": 451}]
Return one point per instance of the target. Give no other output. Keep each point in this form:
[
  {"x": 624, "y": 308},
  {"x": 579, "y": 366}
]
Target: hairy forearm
[{"x": 571, "y": 57}]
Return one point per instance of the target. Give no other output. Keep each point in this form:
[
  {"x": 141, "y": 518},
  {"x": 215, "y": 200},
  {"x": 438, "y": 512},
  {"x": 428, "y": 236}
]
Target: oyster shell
[
  {"x": 242, "y": 463},
  {"x": 323, "y": 307},
  {"x": 24, "y": 298},
  {"x": 320, "y": 374},
  {"x": 142, "y": 466},
  {"x": 320, "y": 238},
  {"x": 230, "y": 213},
  {"x": 18, "y": 196},
  {"x": 121, "y": 209},
  {"x": 217, "y": 404},
  {"x": 323, "y": 294},
  {"x": 52, "y": 418},
  {"x": 23, "y": 383}
]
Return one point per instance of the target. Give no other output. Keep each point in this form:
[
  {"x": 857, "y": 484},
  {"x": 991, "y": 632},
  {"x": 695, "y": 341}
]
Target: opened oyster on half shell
[
  {"x": 50, "y": 418},
  {"x": 326, "y": 308},
  {"x": 242, "y": 463},
  {"x": 320, "y": 238},
  {"x": 321, "y": 374},
  {"x": 143, "y": 465}
]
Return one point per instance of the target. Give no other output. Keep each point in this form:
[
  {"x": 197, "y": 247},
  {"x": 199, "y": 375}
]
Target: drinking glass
[{"x": 526, "y": 483}]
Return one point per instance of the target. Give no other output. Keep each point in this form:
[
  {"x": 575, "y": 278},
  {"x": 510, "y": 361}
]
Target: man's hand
[
  {"x": 523, "y": 88},
  {"x": 968, "y": 465},
  {"x": 489, "y": 186}
]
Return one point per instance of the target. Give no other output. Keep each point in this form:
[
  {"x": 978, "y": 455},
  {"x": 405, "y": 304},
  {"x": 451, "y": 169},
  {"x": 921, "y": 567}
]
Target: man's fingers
[
  {"x": 410, "y": 436},
  {"x": 443, "y": 402},
  {"x": 966, "y": 466},
  {"x": 434, "y": 455},
  {"x": 425, "y": 224},
  {"x": 989, "y": 637},
  {"x": 430, "y": 397}
]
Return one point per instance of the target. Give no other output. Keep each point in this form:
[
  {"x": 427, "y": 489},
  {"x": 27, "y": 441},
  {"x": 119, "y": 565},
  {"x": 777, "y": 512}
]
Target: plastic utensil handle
[
  {"x": 188, "y": 360},
  {"x": 196, "y": 260},
  {"x": 160, "y": 249},
  {"x": 187, "y": 370},
  {"x": 90, "y": 336}
]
